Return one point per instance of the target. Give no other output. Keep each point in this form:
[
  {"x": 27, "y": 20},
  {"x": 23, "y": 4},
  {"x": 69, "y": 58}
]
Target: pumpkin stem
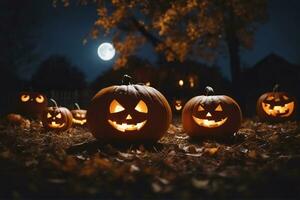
[
  {"x": 209, "y": 91},
  {"x": 77, "y": 106},
  {"x": 276, "y": 87},
  {"x": 54, "y": 102},
  {"x": 126, "y": 80}
]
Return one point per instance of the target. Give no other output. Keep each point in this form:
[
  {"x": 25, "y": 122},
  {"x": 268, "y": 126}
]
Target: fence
[{"x": 69, "y": 98}]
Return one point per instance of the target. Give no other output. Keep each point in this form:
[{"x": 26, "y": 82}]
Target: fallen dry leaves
[{"x": 261, "y": 160}]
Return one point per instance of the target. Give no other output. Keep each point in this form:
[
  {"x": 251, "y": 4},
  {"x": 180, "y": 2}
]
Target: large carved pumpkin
[
  {"x": 31, "y": 104},
  {"x": 276, "y": 106},
  {"x": 211, "y": 116},
  {"x": 129, "y": 113},
  {"x": 57, "y": 118}
]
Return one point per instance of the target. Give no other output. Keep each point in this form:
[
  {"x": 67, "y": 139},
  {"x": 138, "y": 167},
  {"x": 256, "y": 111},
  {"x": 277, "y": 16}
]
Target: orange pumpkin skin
[
  {"x": 31, "y": 104},
  {"x": 216, "y": 116},
  {"x": 57, "y": 118},
  {"x": 102, "y": 115},
  {"x": 279, "y": 99}
]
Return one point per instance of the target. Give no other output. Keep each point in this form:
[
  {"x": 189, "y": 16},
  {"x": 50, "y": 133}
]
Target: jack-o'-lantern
[
  {"x": 211, "y": 116},
  {"x": 276, "y": 106},
  {"x": 57, "y": 118},
  {"x": 178, "y": 105},
  {"x": 79, "y": 116},
  {"x": 31, "y": 104},
  {"x": 129, "y": 113}
]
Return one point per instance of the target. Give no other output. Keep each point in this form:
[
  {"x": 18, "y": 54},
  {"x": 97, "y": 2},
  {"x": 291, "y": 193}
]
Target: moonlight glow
[{"x": 106, "y": 51}]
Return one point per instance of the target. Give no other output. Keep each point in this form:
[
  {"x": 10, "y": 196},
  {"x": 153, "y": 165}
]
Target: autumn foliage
[{"x": 177, "y": 29}]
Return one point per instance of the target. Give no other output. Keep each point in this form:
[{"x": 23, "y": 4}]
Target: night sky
[{"x": 63, "y": 29}]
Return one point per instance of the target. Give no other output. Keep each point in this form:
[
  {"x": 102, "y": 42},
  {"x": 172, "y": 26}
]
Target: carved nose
[
  {"x": 208, "y": 114},
  {"x": 128, "y": 117},
  {"x": 277, "y": 99}
]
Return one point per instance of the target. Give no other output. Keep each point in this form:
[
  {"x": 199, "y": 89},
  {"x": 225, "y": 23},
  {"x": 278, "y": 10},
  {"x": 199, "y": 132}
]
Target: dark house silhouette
[{"x": 261, "y": 78}]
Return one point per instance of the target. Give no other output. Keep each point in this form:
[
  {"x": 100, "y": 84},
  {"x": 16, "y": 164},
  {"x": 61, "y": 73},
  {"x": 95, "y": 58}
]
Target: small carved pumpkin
[
  {"x": 178, "y": 105},
  {"x": 57, "y": 118},
  {"x": 17, "y": 120},
  {"x": 276, "y": 106},
  {"x": 129, "y": 113},
  {"x": 211, "y": 116},
  {"x": 31, "y": 104},
  {"x": 79, "y": 116}
]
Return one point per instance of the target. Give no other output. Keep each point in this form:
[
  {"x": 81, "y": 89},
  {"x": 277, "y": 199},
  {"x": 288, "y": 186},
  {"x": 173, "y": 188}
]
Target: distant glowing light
[
  {"x": 180, "y": 82},
  {"x": 192, "y": 83},
  {"x": 106, "y": 51}
]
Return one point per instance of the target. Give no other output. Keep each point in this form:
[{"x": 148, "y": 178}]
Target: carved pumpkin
[
  {"x": 211, "y": 116},
  {"x": 31, "y": 104},
  {"x": 276, "y": 106},
  {"x": 17, "y": 120},
  {"x": 57, "y": 118},
  {"x": 129, "y": 113},
  {"x": 79, "y": 116},
  {"x": 178, "y": 105}
]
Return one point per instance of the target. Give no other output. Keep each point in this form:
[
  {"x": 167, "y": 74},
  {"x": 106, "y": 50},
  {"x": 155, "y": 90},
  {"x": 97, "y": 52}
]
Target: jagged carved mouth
[
  {"x": 282, "y": 111},
  {"x": 209, "y": 123},
  {"x": 79, "y": 121},
  {"x": 127, "y": 127},
  {"x": 56, "y": 125}
]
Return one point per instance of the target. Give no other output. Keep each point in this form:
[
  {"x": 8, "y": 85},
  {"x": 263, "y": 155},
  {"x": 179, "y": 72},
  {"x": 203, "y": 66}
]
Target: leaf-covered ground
[{"x": 262, "y": 160}]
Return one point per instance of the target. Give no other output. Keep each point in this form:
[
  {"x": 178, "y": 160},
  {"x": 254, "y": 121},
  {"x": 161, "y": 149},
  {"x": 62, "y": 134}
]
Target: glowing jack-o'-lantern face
[
  {"x": 276, "y": 106},
  {"x": 57, "y": 118},
  {"x": 209, "y": 121},
  {"x": 31, "y": 104},
  {"x": 129, "y": 123},
  {"x": 79, "y": 116},
  {"x": 129, "y": 113},
  {"x": 211, "y": 116},
  {"x": 178, "y": 105},
  {"x": 272, "y": 109}
]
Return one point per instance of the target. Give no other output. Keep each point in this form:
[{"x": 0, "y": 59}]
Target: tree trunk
[
  {"x": 234, "y": 59},
  {"x": 233, "y": 45}
]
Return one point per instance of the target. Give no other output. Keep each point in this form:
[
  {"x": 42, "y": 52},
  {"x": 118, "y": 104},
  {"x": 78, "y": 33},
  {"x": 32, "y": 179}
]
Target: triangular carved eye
[
  {"x": 219, "y": 108},
  {"x": 141, "y": 107},
  {"x": 285, "y": 97},
  {"x": 58, "y": 115},
  {"x": 200, "y": 108},
  {"x": 115, "y": 107},
  {"x": 270, "y": 98},
  {"x": 49, "y": 115}
]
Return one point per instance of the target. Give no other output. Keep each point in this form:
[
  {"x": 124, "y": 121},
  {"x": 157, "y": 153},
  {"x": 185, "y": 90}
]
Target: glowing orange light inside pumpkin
[
  {"x": 283, "y": 111},
  {"x": 116, "y": 107}
]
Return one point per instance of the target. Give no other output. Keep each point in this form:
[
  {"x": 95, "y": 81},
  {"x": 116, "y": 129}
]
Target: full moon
[{"x": 106, "y": 51}]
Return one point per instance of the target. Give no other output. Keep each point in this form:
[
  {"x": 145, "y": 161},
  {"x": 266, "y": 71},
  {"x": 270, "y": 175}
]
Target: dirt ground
[{"x": 261, "y": 160}]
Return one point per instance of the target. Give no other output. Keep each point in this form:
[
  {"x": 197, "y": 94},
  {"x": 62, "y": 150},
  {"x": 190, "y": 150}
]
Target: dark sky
[{"x": 63, "y": 29}]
